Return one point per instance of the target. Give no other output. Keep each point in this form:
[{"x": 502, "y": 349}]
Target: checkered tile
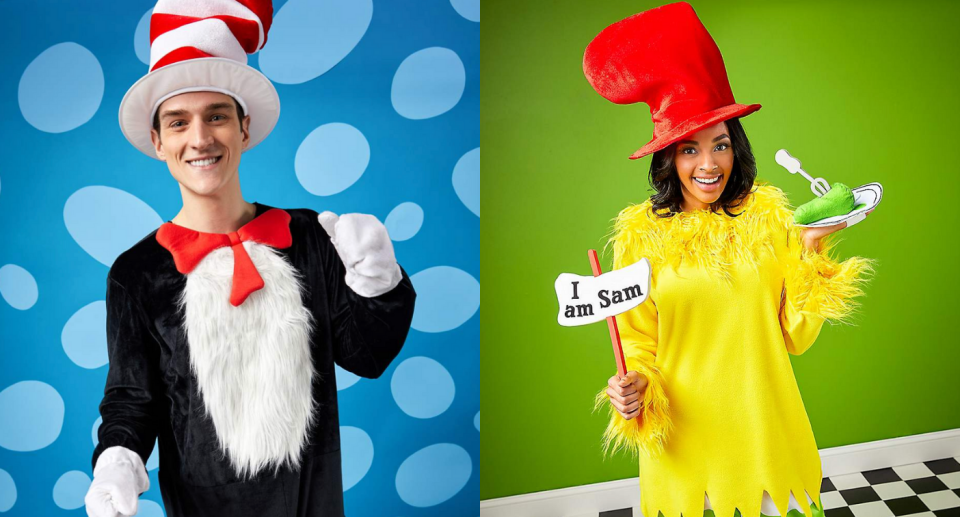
[{"x": 928, "y": 489}]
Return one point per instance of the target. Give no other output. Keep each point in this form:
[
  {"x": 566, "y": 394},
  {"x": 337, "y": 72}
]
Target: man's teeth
[
  {"x": 706, "y": 181},
  {"x": 204, "y": 163}
]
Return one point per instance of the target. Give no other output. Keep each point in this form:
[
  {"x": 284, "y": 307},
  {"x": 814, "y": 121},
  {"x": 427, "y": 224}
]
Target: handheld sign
[{"x": 585, "y": 299}]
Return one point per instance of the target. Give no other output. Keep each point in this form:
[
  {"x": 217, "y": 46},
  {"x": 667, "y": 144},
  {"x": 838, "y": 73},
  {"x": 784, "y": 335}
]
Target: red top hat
[{"x": 665, "y": 58}]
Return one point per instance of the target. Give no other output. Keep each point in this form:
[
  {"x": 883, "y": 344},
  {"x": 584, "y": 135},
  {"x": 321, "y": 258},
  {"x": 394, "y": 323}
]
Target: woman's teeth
[
  {"x": 204, "y": 163},
  {"x": 706, "y": 181}
]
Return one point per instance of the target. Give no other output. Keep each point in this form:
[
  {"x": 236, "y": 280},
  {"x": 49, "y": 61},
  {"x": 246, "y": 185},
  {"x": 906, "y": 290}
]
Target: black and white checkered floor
[{"x": 928, "y": 489}]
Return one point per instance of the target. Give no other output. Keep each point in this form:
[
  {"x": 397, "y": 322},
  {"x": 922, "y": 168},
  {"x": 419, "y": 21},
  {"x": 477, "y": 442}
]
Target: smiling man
[
  {"x": 225, "y": 324},
  {"x": 201, "y": 136}
]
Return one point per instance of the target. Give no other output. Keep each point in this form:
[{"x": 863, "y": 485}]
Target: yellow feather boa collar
[{"x": 716, "y": 242}]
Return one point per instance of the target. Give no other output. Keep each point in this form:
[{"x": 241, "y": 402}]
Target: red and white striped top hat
[{"x": 202, "y": 45}]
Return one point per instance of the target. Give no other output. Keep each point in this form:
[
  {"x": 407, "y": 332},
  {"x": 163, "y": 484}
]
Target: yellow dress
[{"x": 730, "y": 298}]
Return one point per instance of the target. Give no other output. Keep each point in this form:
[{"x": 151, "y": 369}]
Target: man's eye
[
  {"x": 174, "y": 124},
  {"x": 221, "y": 116}
]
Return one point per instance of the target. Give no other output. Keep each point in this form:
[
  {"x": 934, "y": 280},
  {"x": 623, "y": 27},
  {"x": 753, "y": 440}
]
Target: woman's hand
[
  {"x": 626, "y": 393},
  {"x": 812, "y": 236}
]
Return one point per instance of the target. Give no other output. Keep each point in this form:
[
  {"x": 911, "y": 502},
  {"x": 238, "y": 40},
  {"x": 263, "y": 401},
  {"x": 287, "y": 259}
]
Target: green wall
[{"x": 860, "y": 92}]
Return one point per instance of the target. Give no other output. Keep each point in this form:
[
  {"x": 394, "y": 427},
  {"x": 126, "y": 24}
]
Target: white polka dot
[
  {"x": 357, "y": 455},
  {"x": 90, "y": 215},
  {"x": 433, "y": 474},
  {"x": 466, "y": 180},
  {"x": 476, "y": 421},
  {"x": 8, "y": 491},
  {"x": 447, "y": 297},
  {"x": 428, "y": 83},
  {"x": 61, "y": 89},
  {"x": 308, "y": 38},
  {"x": 18, "y": 287},
  {"x": 141, "y": 38},
  {"x": 345, "y": 379},
  {"x": 331, "y": 158},
  {"x": 32, "y": 413},
  {"x": 95, "y": 431},
  {"x": 148, "y": 508},
  {"x": 422, "y": 387},
  {"x": 469, "y": 9},
  {"x": 84, "y": 336},
  {"x": 404, "y": 221},
  {"x": 70, "y": 489}
]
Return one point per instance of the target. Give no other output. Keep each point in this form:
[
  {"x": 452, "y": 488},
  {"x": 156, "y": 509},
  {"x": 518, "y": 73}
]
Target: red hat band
[{"x": 665, "y": 58}]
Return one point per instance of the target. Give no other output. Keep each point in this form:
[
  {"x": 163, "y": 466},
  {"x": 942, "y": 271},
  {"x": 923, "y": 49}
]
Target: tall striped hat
[{"x": 202, "y": 45}]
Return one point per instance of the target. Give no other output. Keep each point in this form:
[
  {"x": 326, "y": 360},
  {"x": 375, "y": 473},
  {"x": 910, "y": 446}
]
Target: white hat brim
[
  {"x": 218, "y": 74},
  {"x": 868, "y": 195}
]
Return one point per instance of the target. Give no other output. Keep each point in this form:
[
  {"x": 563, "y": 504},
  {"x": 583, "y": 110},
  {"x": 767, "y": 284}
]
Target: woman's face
[{"x": 704, "y": 161}]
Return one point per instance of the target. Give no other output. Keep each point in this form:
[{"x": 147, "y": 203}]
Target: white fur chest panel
[{"x": 252, "y": 362}]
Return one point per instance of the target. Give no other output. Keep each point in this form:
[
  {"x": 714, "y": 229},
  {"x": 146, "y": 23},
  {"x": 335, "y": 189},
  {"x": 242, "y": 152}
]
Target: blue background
[{"x": 74, "y": 193}]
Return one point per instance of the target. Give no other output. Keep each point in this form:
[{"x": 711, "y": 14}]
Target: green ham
[{"x": 839, "y": 201}]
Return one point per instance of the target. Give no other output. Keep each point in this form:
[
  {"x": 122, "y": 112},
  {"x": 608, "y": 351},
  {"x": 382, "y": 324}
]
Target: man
[{"x": 224, "y": 324}]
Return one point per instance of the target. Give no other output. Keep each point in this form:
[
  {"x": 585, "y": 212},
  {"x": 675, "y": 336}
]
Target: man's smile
[{"x": 204, "y": 163}]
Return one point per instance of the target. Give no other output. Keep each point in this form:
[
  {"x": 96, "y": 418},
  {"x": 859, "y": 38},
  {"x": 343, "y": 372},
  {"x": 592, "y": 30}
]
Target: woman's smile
[{"x": 709, "y": 184}]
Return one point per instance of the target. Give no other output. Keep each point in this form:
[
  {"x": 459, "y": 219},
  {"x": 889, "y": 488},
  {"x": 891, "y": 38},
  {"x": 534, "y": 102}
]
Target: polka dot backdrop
[{"x": 380, "y": 115}]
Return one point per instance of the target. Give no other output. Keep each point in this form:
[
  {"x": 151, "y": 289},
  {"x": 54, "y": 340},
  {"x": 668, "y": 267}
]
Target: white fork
[{"x": 819, "y": 186}]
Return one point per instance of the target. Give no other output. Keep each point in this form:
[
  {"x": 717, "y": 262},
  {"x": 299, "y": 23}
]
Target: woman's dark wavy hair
[{"x": 664, "y": 178}]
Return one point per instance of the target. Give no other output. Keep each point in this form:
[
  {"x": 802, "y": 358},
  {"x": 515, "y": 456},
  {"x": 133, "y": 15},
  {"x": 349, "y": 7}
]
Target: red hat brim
[{"x": 694, "y": 124}]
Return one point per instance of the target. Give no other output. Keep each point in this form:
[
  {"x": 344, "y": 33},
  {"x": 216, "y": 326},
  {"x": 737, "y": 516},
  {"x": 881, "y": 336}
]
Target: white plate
[{"x": 869, "y": 194}]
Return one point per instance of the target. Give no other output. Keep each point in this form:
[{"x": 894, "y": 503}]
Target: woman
[{"x": 709, "y": 400}]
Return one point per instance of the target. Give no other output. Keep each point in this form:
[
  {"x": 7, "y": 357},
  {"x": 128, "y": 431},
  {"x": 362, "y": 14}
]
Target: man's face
[{"x": 194, "y": 128}]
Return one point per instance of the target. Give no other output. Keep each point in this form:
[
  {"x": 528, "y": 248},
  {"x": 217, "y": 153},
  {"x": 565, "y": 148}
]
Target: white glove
[
  {"x": 118, "y": 480},
  {"x": 365, "y": 249}
]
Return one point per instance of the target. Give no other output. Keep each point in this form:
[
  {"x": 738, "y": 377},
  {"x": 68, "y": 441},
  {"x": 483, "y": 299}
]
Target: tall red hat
[
  {"x": 665, "y": 58},
  {"x": 202, "y": 45}
]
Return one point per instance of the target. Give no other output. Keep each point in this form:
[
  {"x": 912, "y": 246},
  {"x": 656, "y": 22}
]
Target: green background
[{"x": 859, "y": 92}]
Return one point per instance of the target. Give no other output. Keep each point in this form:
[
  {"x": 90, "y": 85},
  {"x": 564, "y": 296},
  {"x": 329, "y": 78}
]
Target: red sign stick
[{"x": 611, "y": 321}]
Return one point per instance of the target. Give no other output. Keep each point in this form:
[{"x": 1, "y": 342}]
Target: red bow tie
[{"x": 190, "y": 246}]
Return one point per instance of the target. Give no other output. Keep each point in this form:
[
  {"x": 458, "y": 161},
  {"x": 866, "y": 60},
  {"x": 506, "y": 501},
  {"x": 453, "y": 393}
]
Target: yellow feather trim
[
  {"x": 825, "y": 287},
  {"x": 646, "y": 433}
]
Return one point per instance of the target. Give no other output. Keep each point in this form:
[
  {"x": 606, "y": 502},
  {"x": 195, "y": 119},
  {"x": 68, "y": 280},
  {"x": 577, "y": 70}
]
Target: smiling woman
[
  {"x": 732, "y": 293},
  {"x": 725, "y": 151}
]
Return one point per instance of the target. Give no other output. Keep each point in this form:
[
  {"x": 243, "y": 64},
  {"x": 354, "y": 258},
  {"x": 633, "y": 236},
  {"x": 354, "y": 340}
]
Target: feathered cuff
[
  {"x": 647, "y": 433},
  {"x": 823, "y": 286}
]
